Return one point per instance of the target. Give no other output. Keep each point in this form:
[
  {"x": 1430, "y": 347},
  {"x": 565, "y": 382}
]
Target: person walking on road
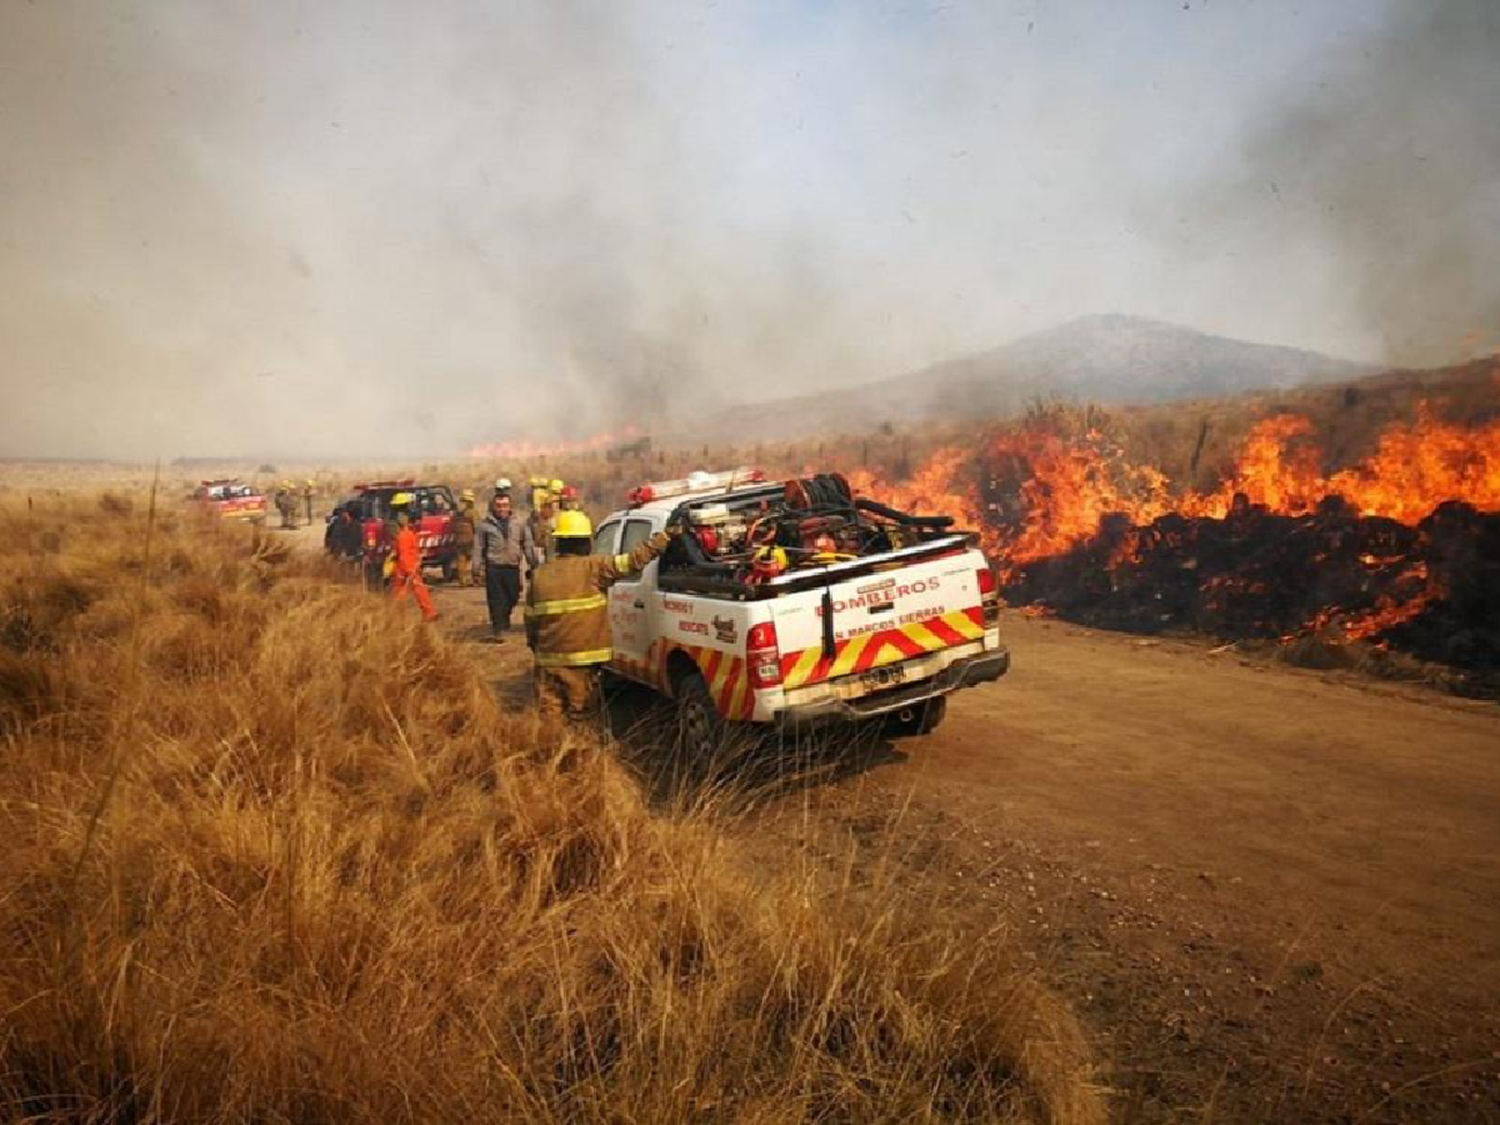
[
  {"x": 407, "y": 576},
  {"x": 501, "y": 544},
  {"x": 567, "y": 614}
]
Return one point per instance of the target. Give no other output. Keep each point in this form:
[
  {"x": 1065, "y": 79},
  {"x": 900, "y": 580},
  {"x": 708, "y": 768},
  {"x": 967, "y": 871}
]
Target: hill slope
[{"x": 1108, "y": 359}]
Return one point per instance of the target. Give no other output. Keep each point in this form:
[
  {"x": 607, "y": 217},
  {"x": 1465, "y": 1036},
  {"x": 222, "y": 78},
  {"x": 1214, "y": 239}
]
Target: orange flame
[
  {"x": 1066, "y": 487},
  {"x": 524, "y": 450},
  {"x": 1035, "y": 493},
  {"x": 933, "y": 488},
  {"x": 1415, "y": 467}
]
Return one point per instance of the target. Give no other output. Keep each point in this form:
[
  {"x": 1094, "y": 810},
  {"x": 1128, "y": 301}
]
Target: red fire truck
[
  {"x": 369, "y": 508},
  {"x": 229, "y": 498}
]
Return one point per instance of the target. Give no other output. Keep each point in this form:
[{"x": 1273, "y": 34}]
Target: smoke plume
[
  {"x": 384, "y": 230},
  {"x": 1393, "y": 167}
]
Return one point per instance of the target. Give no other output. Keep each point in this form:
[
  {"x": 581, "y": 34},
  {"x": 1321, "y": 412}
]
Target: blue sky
[{"x": 466, "y": 220}]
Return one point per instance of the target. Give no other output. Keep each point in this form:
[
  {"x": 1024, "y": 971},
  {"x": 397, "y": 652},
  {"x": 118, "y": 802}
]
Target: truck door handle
[
  {"x": 639, "y": 605},
  {"x": 883, "y": 607}
]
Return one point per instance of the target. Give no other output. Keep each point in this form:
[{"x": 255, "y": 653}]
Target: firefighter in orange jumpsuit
[
  {"x": 407, "y": 577},
  {"x": 567, "y": 614}
]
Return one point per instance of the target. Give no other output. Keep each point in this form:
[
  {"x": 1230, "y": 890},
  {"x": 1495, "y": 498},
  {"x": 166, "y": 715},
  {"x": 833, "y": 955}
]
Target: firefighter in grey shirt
[{"x": 502, "y": 542}]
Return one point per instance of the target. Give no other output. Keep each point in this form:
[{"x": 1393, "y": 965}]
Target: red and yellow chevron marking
[
  {"x": 727, "y": 675},
  {"x": 871, "y": 650},
  {"x": 728, "y": 680},
  {"x": 730, "y": 687},
  {"x": 651, "y": 670}
]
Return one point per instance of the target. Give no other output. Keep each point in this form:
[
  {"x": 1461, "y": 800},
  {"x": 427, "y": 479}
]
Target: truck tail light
[
  {"x": 986, "y": 582},
  {"x": 989, "y": 597},
  {"x": 763, "y": 656}
]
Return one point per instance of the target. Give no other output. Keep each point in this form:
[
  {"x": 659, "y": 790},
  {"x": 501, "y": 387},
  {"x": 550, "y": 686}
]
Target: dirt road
[
  {"x": 1271, "y": 889},
  {"x": 1274, "y": 895}
]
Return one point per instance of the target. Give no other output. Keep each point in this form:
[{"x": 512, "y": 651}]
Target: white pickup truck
[{"x": 796, "y": 603}]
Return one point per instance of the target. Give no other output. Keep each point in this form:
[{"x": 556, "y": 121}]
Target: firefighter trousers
[
  {"x": 413, "y": 583},
  {"x": 463, "y": 568},
  {"x": 569, "y": 692}
]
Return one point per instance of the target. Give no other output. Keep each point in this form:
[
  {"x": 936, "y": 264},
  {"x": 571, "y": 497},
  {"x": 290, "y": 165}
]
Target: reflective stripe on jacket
[{"x": 567, "y": 614}]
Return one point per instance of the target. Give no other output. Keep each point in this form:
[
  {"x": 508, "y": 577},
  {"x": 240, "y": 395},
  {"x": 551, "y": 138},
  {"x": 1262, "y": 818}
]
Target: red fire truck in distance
[
  {"x": 370, "y": 509},
  {"x": 229, "y": 498}
]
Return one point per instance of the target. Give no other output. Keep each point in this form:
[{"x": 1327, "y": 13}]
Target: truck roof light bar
[
  {"x": 694, "y": 484},
  {"x": 366, "y": 486}
]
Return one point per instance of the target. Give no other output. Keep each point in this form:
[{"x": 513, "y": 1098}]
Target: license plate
[{"x": 883, "y": 677}]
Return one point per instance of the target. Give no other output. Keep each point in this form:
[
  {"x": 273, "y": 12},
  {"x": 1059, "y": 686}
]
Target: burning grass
[
  {"x": 1399, "y": 549},
  {"x": 275, "y": 853}
]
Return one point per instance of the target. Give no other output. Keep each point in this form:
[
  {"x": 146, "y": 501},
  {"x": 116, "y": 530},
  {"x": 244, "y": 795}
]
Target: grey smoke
[
  {"x": 1392, "y": 169},
  {"x": 368, "y": 227},
  {"x": 355, "y": 228}
]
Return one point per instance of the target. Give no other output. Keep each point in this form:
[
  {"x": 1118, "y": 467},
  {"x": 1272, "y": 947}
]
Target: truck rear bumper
[{"x": 969, "y": 672}]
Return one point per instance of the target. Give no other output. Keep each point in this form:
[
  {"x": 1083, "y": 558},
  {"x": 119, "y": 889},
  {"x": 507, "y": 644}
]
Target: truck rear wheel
[
  {"x": 700, "y": 729},
  {"x": 920, "y": 718}
]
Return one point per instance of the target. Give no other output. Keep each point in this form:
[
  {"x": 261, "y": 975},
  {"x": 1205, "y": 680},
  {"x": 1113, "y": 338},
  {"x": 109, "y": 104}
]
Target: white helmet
[{"x": 503, "y": 484}]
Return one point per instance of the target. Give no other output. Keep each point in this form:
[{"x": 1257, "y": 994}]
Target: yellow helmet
[
  {"x": 572, "y": 525},
  {"x": 400, "y": 499},
  {"x": 555, "y": 486},
  {"x": 466, "y": 494}
]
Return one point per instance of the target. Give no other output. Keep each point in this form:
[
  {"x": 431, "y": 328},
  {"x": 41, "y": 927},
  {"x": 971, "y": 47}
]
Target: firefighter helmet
[
  {"x": 569, "y": 492},
  {"x": 502, "y": 484},
  {"x": 467, "y": 494},
  {"x": 572, "y": 525},
  {"x": 401, "y": 499},
  {"x": 555, "y": 486}
]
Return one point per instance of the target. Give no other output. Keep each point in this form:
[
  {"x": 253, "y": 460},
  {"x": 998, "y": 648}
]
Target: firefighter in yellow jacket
[
  {"x": 463, "y": 538},
  {"x": 567, "y": 614}
]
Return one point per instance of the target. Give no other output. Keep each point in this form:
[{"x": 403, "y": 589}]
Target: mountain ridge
[{"x": 1110, "y": 358}]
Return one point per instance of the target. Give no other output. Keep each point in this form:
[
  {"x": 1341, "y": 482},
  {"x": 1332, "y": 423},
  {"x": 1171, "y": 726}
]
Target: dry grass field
[{"x": 274, "y": 852}]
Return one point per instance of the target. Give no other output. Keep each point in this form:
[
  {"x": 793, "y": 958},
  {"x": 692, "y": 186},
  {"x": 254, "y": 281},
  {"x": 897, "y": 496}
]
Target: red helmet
[{"x": 569, "y": 492}]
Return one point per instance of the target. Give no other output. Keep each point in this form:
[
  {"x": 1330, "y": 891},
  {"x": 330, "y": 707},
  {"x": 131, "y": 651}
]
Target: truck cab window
[
  {"x": 604, "y": 539},
  {"x": 636, "y": 533}
]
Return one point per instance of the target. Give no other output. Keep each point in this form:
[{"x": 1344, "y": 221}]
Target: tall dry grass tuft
[{"x": 272, "y": 852}]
